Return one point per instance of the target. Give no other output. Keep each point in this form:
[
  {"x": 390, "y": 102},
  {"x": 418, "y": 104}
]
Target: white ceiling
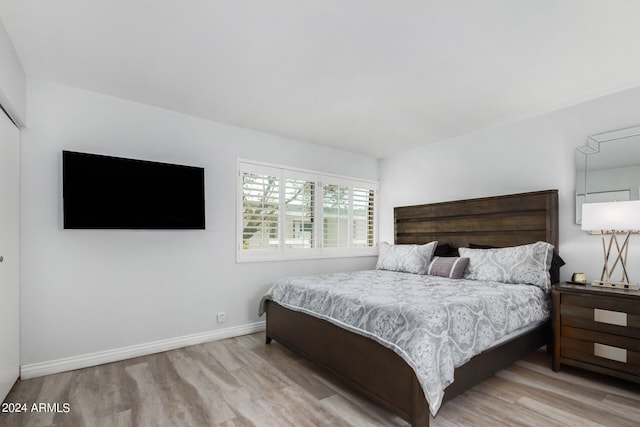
[{"x": 369, "y": 76}]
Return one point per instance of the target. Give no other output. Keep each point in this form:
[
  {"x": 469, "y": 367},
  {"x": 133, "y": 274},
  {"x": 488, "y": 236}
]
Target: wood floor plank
[
  {"x": 538, "y": 362},
  {"x": 242, "y": 382},
  {"x": 559, "y": 414},
  {"x": 300, "y": 373},
  {"x": 622, "y": 405},
  {"x": 148, "y": 407},
  {"x": 507, "y": 414},
  {"x": 222, "y": 355},
  {"x": 216, "y": 409},
  {"x": 117, "y": 419},
  {"x": 546, "y": 388},
  {"x": 297, "y": 407}
]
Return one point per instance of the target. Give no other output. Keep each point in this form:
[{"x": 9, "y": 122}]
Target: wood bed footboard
[
  {"x": 373, "y": 370},
  {"x": 379, "y": 373}
]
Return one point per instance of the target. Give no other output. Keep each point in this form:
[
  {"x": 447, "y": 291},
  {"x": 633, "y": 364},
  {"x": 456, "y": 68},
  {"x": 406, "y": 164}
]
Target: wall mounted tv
[{"x": 103, "y": 192}]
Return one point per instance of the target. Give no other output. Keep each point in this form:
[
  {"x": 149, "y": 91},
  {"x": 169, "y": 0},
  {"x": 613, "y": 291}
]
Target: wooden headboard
[{"x": 500, "y": 221}]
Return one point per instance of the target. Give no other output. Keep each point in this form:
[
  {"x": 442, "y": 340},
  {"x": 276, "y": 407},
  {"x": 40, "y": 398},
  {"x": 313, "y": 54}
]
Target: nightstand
[{"x": 597, "y": 329}]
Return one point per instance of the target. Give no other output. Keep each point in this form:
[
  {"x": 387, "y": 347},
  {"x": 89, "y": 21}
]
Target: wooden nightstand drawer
[
  {"x": 606, "y": 303},
  {"x": 617, "y": 322},
  {"x": 601, "y": 349}
]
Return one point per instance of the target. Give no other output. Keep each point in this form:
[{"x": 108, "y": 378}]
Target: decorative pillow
[
  {"x": 526, "y": 264},
  {"x": 405, "y": 258},
  {"x": 451, "y": 267},
  {"x": 556, "y": 262},
  {"x": 442, "y": 249}
]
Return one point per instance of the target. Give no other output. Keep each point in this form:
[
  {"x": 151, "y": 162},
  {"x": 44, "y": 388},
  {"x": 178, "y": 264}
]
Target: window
[
  {"x": 335, "y": 216},
  {"x": 363, "y": 225},
  {"x": 286, "y": 213},
  {"x": 260, "y": 202},
  {"x": 299, "y": 206}
]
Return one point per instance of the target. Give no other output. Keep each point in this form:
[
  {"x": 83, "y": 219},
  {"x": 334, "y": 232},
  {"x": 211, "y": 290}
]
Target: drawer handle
[
  {"x": 611, "y": 317},
  {"x": 609, "y": 352}
]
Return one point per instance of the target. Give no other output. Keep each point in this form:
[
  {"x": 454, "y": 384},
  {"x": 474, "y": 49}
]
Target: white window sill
[{"x": 277, "y": 255}]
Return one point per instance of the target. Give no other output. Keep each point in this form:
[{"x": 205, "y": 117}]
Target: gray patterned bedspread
[{"x": 435, "y": 324}]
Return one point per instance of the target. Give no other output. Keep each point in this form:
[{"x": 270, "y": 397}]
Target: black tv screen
[{"x": 104, "y": 192}]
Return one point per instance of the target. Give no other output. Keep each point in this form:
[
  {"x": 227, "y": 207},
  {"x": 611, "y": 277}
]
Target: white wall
[
  {"x": 528, "y": 155},
  {"x": 13, "y": 82},
  {"x": 86, "y": 291}
]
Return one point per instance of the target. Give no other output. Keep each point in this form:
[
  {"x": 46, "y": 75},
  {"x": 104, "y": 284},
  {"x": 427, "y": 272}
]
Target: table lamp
[{"x": 619, "y": 219}]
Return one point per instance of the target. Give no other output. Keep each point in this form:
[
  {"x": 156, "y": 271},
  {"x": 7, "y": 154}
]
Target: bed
[{"x": 379, "y": 372}]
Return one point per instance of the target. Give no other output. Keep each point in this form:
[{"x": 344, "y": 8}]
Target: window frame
[{"x": 320, "y": 179}]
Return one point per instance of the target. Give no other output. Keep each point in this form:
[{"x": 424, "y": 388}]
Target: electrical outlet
[{"x": 222, "y": 317}]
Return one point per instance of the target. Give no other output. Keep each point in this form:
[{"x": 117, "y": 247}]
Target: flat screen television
[{"x": 104, "y": 192}]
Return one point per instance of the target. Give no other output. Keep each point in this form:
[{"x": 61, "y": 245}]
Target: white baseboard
[{"x": 93, "y": 359}]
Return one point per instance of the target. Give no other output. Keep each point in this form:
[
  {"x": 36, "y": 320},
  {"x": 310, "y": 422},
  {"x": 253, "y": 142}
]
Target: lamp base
[{"x": 617, "y": 285}]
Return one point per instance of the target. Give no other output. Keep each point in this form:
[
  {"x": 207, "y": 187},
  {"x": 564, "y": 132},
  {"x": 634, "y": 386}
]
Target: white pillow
[
  {"x": 406, "y": 258},
  {"x": 526, "y": 264}
]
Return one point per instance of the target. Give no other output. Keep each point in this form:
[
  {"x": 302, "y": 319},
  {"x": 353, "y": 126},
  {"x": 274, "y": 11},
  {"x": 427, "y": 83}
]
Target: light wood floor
[{"x": 243, "y": 382}]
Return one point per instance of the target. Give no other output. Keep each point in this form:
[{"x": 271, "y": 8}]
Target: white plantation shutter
[
  {"x": 260, "y": 211},
  {"x": 363, "y": 217},
  {"x": 286, "y": 213},
  {"x": 299, "y": 213},
  {"x": 335, "y": 216}
]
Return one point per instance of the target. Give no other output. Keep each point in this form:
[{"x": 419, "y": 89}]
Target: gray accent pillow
[
  {"x": 452, "y": 267},
  {"x": 526, "y": 264},
  {"x": 405, "y": 258}
]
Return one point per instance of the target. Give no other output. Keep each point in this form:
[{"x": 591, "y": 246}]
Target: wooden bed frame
[{"x": 378, "y": 372}]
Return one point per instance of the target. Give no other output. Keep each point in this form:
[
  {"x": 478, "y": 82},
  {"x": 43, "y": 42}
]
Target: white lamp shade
[{"x": 618, "y": 216}]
